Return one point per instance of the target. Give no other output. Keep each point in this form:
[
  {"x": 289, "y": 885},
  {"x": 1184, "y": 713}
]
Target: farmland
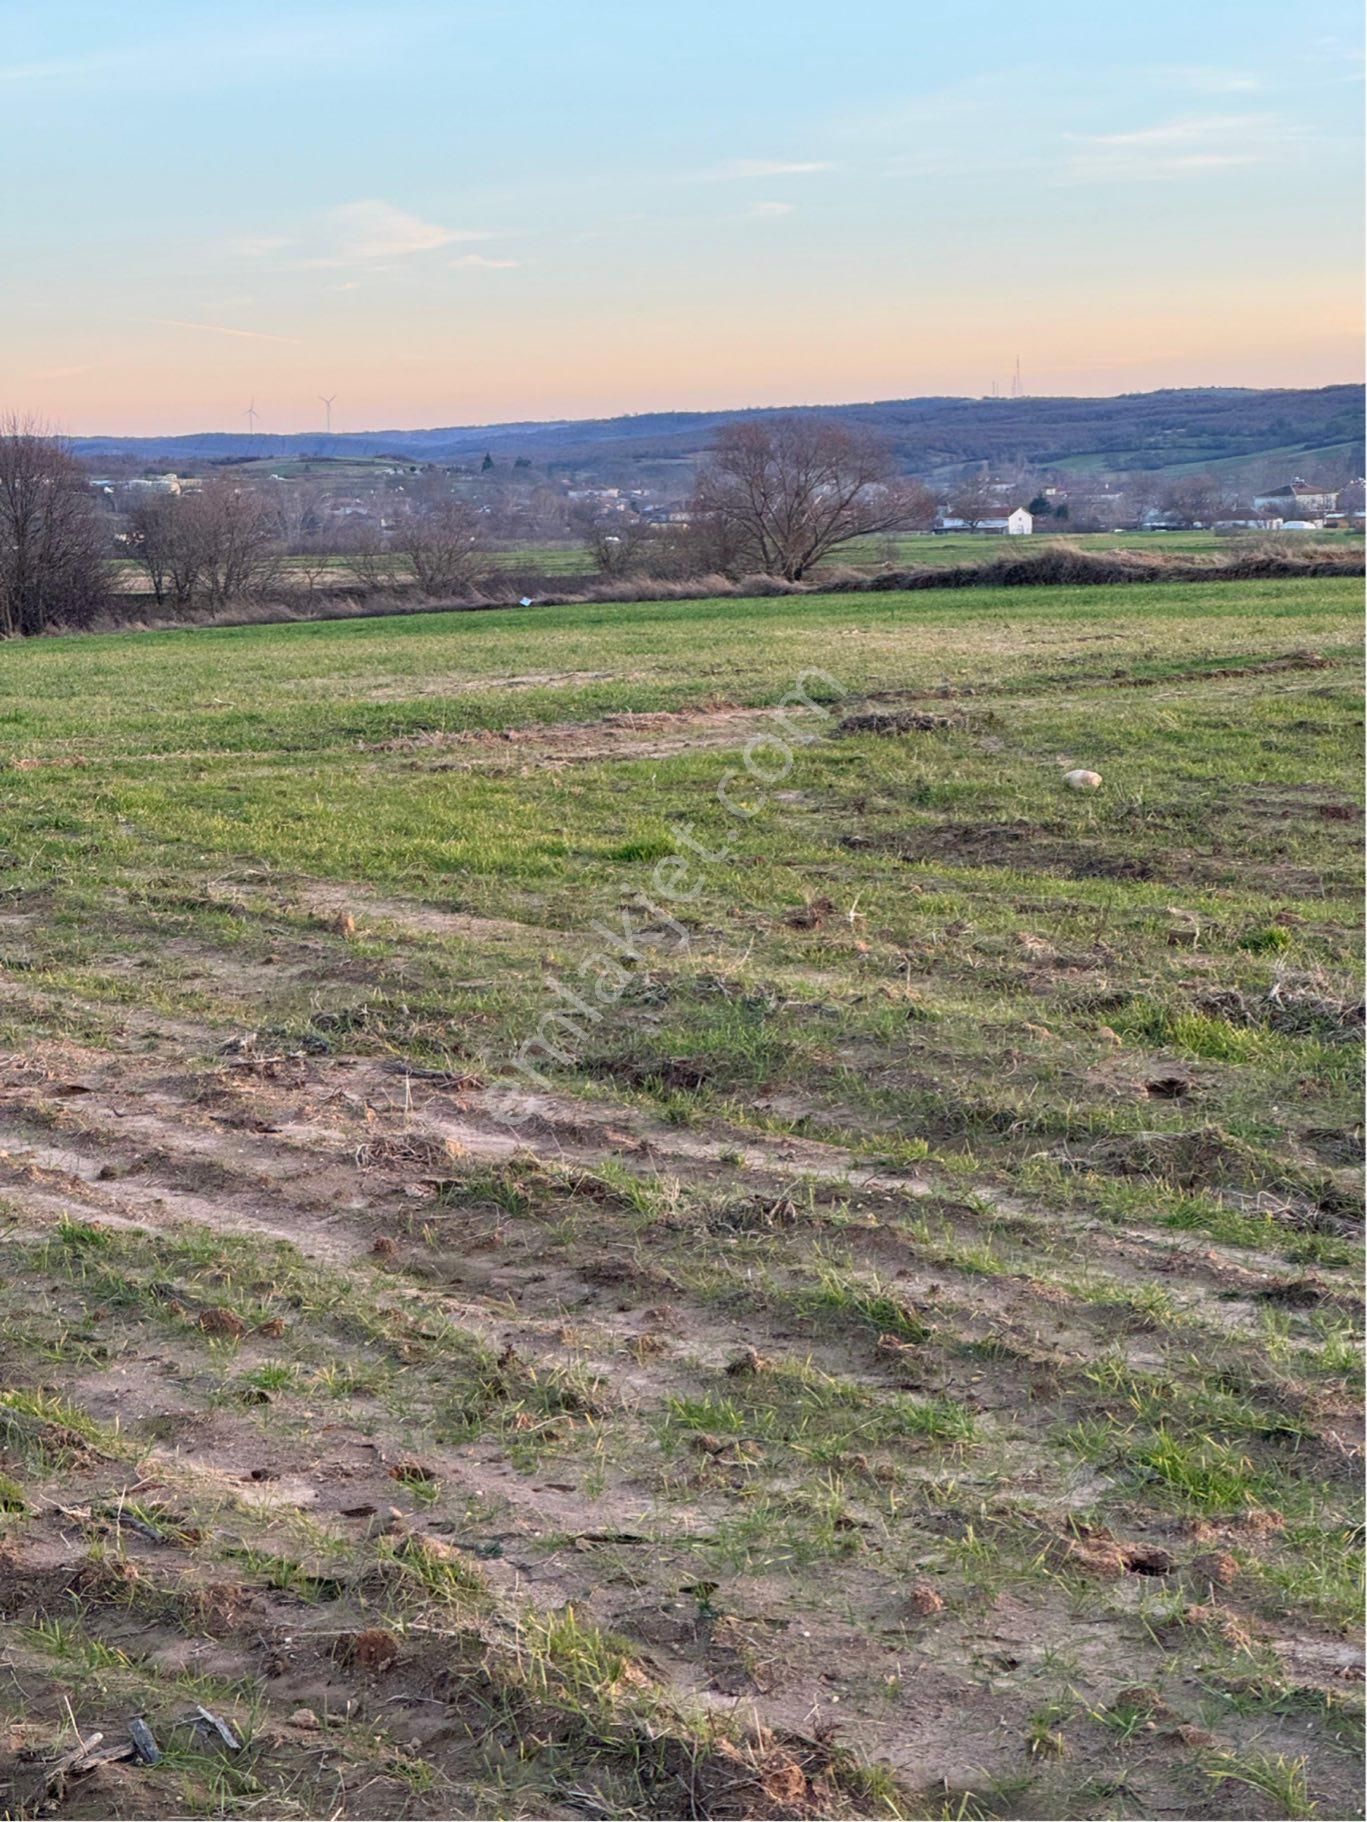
[
  {"x": 556, "y": 558},
  {"x": 895, "y": 1353}
]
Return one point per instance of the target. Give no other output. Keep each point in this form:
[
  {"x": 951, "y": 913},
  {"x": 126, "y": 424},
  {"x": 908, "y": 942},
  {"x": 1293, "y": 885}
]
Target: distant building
[
  {"x": 158, "y": 483},
  {"x": 1297, "y": 500},
  {"x": 1016, "y": 524}
]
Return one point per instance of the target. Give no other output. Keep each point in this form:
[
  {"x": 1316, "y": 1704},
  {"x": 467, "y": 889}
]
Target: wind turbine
[
  {"x": 251, "y": 419},
  {"x": 327, "y": 404}
]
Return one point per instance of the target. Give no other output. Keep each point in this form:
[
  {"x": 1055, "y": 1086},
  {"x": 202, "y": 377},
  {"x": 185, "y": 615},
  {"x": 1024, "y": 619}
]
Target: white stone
[{"x": 1082, "y": 780}]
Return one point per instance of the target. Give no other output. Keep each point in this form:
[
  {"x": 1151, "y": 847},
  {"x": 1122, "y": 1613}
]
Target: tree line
[{"x": 776, "y": 496}]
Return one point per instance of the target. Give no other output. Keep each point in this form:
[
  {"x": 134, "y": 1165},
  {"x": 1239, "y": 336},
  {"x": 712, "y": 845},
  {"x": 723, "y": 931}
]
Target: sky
[{"x": 449, "y": 213}]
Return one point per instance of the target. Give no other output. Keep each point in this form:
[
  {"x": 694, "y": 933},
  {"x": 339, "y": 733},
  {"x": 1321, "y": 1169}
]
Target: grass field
[
  {"x": 901, "y": 551},
  {"x": 900, "y": 1357}
]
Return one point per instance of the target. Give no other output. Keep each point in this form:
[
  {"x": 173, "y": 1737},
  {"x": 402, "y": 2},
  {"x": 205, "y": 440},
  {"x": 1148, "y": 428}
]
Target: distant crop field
[{"x": 637, "y": 1210}]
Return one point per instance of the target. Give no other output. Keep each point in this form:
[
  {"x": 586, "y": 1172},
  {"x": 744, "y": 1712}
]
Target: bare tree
[
  {"x": 368, "y": 555},
  {"x": 152, "y": 535},
  {"x": 443, "y": 544},
  {"x": 972, "y": 502},
  {"x": 312, "y": 559},
  {"x": 214, "y": 546},
  {"x": 53, "y": 567},
  {"x": 300, "y": 513},
  {"x": 919, "y": 507},
  {"x": 1197, "y": 499},
  {"x": 785, "y": 492},
  {"x": 618, "y": 543},
  {"x": 235, "y": 534}
]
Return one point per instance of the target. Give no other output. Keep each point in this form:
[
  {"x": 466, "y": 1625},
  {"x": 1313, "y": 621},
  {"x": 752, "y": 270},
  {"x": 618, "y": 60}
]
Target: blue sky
[{"x": 448, "y": 213}]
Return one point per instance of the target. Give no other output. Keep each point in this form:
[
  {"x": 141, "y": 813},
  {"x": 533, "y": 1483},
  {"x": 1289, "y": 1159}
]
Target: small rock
[
  {"x": 1082, "y": 780},
  {"x": 306, "y": 1719}
]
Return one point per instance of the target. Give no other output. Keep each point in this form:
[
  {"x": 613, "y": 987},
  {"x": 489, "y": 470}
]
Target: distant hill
[{"x": 1137, "y": 431}]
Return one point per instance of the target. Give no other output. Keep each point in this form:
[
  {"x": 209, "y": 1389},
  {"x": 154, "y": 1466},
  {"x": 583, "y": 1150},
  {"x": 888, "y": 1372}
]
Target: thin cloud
[
  {"x": 770, "y": 211},
  {"x": 246, "y": 335},
  {"x": 372, "y": 229},
  {"x": 370, "y": 234},
  {"x": 1216, "y": 81},
  {"x": 765, "y": 167},
  {"x": 1181, "y": 132},
  {"x": 471, "y": 260},
  {"x": 1176, "y": 148}
]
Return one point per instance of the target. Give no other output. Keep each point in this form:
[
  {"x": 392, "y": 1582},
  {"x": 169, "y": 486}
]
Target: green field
[
  {"x": 897, "y": 1352},
  {"x": 563, "y": 558}
]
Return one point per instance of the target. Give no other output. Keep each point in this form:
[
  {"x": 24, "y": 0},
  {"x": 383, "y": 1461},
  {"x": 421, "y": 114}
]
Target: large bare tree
[
  {"x": 237, "y": 533},
  {"x": 784, "y": 492},
  {"x": 53, "y": 566},
  {"x": 1197, "y": 499},
  {"x": 154, "y": 538},
  {"x": 443, "y": 542},
  {"x": 215, "y": 546}
]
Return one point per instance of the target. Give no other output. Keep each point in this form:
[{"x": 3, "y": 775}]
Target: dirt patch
[
  {"x": 899, "y": 721},
  {"x": 1023, "y": 846},
  {"x": 651, "y": 734}
]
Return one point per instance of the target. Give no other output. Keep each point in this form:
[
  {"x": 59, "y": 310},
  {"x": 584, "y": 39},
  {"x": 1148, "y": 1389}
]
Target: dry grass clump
[
  {"x": 1299, "y": 1003},
  {"x": 1057, "y": 565}
]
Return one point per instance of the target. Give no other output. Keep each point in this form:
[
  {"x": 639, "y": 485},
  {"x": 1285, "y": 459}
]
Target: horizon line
[{"x": 966, "y": 398}]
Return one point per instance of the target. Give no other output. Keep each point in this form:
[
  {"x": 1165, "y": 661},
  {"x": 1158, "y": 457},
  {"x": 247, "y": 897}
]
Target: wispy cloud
[
  {"x": 770, "y": 211},
  {"x": 370, "y": 233},
  {"x": 371, "y": 230},
  {"x": 735, "y": 168},
  {"x": 1200, "y": 129},
  {"x": 1214, "y": 81},
  {"x": 478, "y": 260},
  {"x": 246, "y": 335},
  {"x": 1176, "y": 148}
]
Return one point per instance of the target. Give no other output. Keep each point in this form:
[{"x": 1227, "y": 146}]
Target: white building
[{"x": 1016, "y": 524}]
